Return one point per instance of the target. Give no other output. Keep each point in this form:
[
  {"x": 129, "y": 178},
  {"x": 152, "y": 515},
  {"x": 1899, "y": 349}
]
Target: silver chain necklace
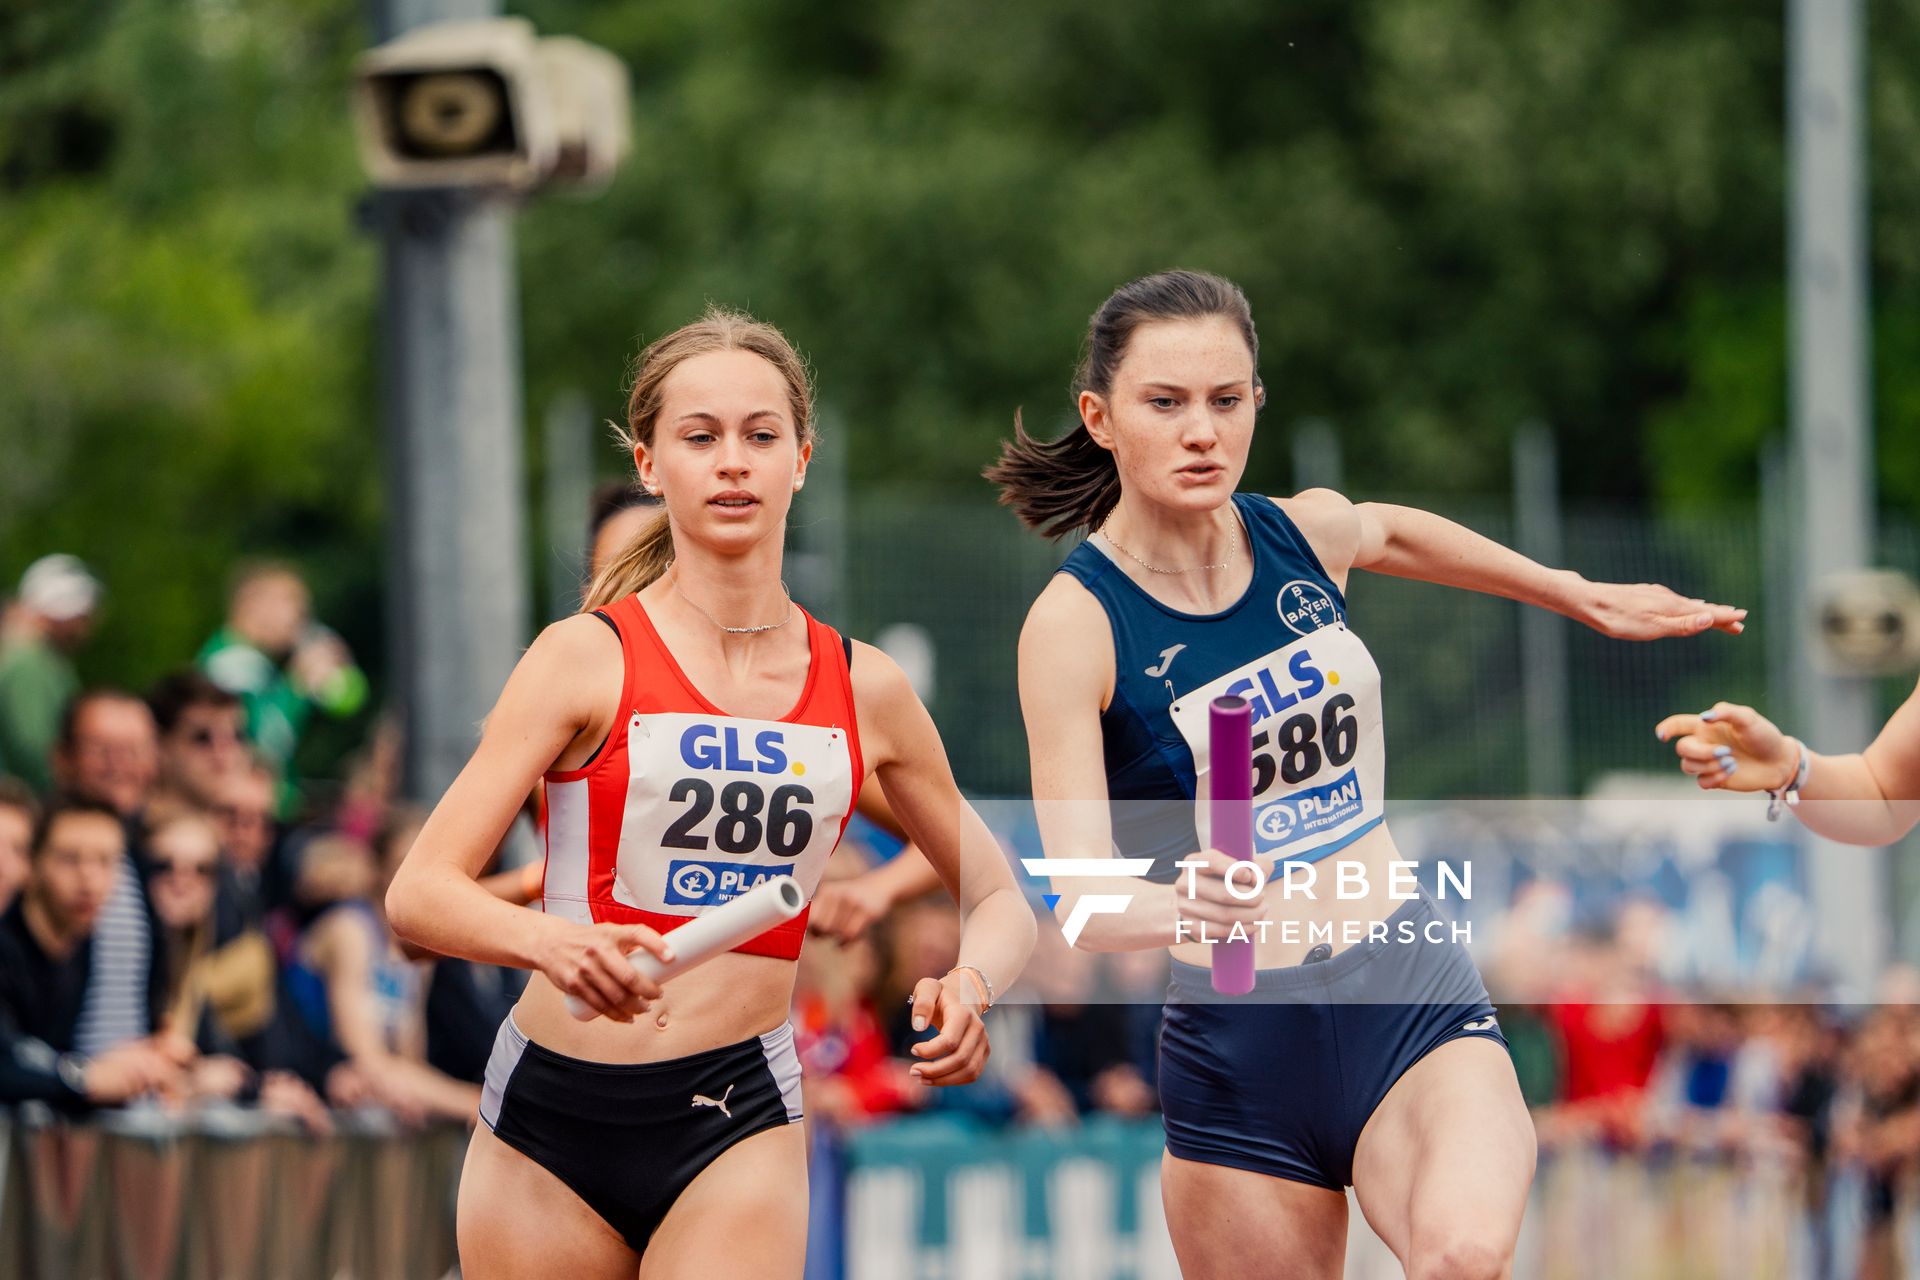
[
  {"x": 1232, "y": 553},
  {"x": 674, "y": 582}
]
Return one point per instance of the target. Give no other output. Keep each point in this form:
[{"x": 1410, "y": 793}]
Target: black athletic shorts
[
  {"x": 1282, "y": 1080},
  {"x": 629, "y": 1137}
]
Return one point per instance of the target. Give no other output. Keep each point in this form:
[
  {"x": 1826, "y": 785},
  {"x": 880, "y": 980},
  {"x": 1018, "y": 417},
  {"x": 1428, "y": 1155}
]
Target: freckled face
[{"x": 1179, "y": 418}]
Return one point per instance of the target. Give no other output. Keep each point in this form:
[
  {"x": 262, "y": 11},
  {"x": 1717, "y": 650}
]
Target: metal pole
[
  {"x": 1779, "y": 591},
  {"x": 1543, "y": 635},
  {"x": 457, "y": 581},
  {"x": 1832, "y": 436},
  {"x": 566, "y": 449}
]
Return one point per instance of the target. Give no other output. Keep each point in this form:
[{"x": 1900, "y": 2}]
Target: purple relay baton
[{"x": 1230, "y": 813}]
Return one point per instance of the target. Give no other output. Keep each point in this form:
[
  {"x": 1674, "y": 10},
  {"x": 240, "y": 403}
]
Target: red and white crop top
[{"x": 686, "y": 807}]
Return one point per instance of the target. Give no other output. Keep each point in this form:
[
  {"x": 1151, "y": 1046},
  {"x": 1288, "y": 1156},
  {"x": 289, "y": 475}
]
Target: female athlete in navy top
[{"x": 1363, "y": 1060}]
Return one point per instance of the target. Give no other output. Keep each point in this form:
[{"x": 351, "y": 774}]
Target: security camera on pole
[{"x": 461, "y": 115}]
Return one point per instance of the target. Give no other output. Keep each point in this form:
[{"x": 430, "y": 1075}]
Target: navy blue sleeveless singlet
[{"x": 1319, "y": 757}]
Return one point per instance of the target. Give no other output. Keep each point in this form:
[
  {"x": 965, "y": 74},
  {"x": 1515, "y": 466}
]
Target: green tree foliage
[
  {"x": 184, "y": 318},
  {"x": 1451, "y": 215}
]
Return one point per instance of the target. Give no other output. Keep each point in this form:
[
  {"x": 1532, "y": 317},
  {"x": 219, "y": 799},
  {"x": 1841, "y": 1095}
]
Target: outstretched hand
[
  {"x": 1649, "y": 611},
  {"x": 1732, "y": 748}
]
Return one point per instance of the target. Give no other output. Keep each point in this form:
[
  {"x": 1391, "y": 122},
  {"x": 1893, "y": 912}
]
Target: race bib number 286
[{"x": 717, "y": 804}]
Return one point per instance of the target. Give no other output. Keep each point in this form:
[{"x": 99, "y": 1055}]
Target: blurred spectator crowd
[
  {"x": 178, "y": 926},
  {"x": 1613, "y": 1059}
]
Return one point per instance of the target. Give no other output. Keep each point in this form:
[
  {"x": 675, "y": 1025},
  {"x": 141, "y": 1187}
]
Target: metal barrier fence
[
  {"x": 225, "y": 1194},
  {"x": 925, "y": 1200},
  {"x": 233, "y": 1196}
]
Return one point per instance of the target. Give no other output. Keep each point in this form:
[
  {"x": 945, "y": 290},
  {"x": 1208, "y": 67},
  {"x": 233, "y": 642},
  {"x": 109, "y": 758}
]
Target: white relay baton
[{"x": 718, "y": 931}]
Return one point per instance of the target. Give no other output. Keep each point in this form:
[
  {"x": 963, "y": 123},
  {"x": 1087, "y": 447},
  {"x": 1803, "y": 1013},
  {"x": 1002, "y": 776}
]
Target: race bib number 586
[{"x": 1318, "y": 758}]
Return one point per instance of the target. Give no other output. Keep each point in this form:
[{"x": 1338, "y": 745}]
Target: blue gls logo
[
  {"x": 707, "y": 746},
  {"x": 706, "y": 884},
  {"x": 1305, "y": 607},
  {"x": 1263, "y": 691}
]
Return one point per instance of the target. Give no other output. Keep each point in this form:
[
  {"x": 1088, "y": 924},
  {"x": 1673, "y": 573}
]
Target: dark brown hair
[
  {"x": 62, "y": 806},
  {"x": 612, "y": 497},
  {"x": 1060, "y": 486},
  {"x": 651, "y": 551},
  {"x": 175, "y": 693}
]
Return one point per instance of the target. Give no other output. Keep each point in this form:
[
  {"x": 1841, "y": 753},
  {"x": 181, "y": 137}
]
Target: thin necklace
[
  {"x": 674, "y": 582},
  {"x": 1232, "y": 552}
]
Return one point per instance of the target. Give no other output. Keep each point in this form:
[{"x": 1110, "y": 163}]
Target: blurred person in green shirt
[
  {"x": 279, "y": 661},
  {"x": 49, "y": 621}
]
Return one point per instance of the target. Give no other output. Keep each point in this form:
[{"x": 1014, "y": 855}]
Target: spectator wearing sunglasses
[
  {"x": 224, "y": 1006},
  {"x": 202, "y": 736},
  {"x": 230, "y": 984},
  {"x": 198, "y": 981}
]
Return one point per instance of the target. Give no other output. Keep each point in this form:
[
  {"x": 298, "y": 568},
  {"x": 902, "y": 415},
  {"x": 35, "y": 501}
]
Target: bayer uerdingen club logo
[
  {"x": 694, "y": 881},
  {"x": 1306, "y": 607}
]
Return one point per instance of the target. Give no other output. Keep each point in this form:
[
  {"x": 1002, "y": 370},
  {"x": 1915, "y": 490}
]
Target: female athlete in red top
[{"x": 698, "y": 732}]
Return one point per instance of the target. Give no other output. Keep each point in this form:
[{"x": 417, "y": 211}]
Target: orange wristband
[{"x": 979, "y": 980}]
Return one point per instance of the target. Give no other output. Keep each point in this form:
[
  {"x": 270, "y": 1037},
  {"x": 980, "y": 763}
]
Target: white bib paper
[
  {"x": 1319, "y": 757},
  {"x": 717, "y": 804}
]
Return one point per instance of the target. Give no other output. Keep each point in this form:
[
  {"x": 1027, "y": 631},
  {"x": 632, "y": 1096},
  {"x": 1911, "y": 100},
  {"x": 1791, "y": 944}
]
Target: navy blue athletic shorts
[
  {"x": 629, "y": 1137},
  {"x": 1282, "y": 1080}
]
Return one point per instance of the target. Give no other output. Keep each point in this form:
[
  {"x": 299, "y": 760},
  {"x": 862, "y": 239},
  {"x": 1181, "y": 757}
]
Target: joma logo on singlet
[
  {"x": 709, "y": 746},
  {"x": 1264, "y": 691}
]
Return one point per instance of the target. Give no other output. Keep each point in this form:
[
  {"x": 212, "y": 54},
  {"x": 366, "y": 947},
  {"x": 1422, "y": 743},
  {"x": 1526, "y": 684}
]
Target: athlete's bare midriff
[
  {"x": 730, "y": 998},
  {"x": 1373, "y": 853}
]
